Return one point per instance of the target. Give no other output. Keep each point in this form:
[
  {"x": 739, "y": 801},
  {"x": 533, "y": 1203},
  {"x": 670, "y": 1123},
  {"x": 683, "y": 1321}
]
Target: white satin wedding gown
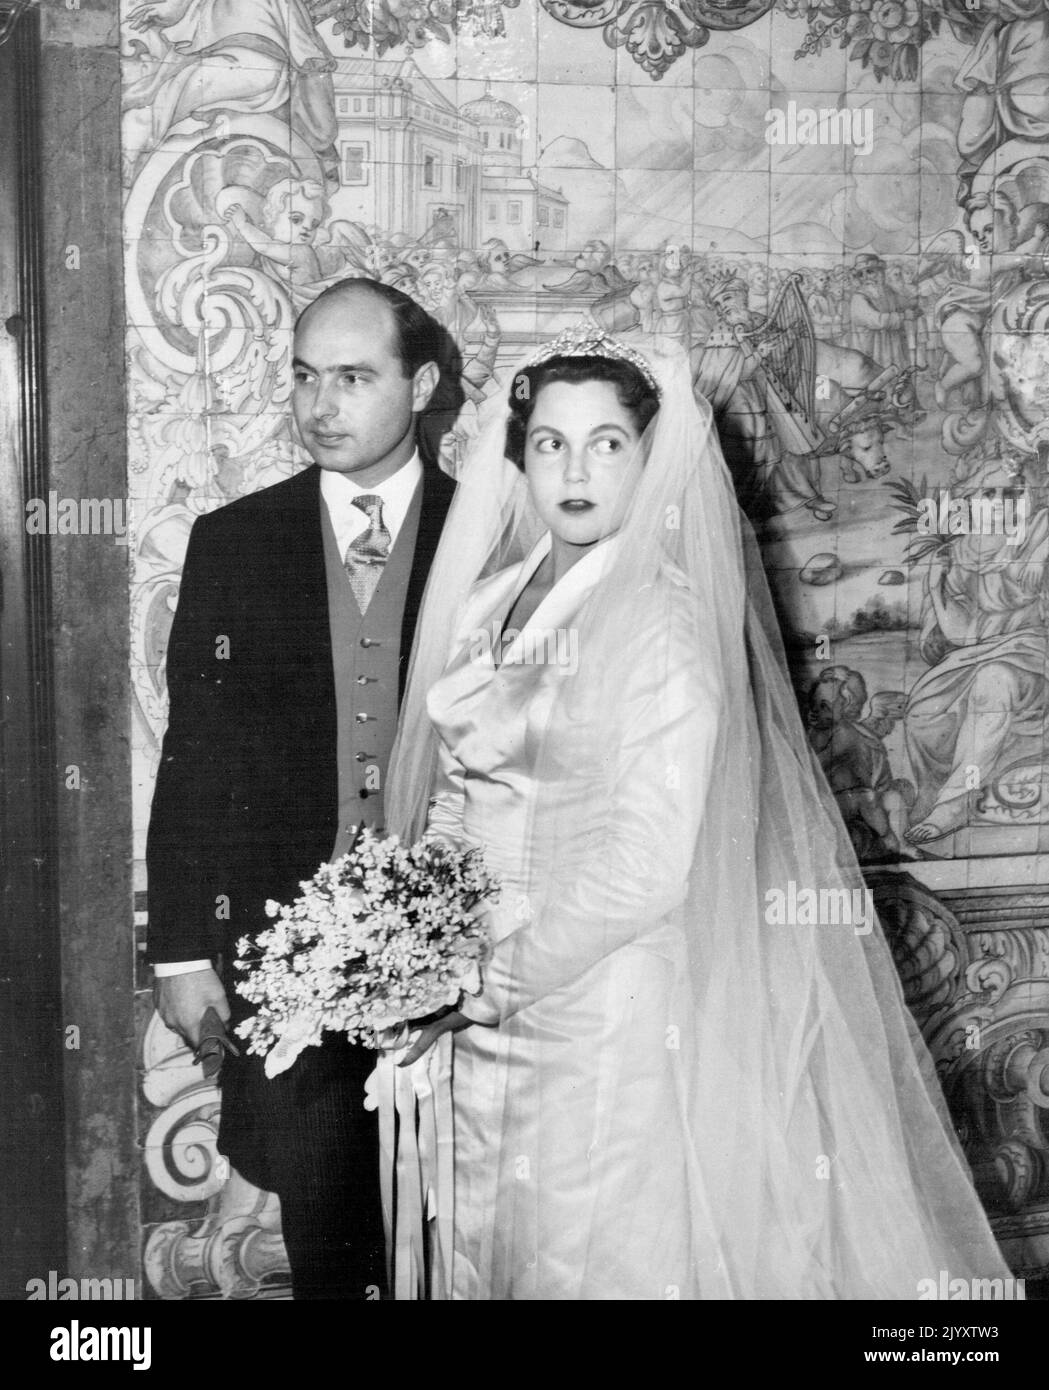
[
  {"x": 574, "y": 1188},
  {"x": 677, "y": 1098}
]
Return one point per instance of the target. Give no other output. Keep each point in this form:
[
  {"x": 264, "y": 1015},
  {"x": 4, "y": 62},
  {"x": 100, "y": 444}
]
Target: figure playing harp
[{"x": 759, "y": 374}]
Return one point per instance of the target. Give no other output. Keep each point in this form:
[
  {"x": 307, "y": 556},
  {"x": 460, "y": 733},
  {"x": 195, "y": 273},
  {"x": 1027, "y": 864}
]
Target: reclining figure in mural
[{"x": 981, "y": 707}]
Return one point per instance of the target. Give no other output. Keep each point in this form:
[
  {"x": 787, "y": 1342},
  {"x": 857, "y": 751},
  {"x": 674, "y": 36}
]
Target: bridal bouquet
[{"x": 384, "y": 934}]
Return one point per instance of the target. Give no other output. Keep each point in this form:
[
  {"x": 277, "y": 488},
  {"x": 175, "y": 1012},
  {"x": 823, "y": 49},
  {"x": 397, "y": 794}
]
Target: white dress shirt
[
  {"x": 348, "y": 521},
  {"x": 338, "y": 491}
]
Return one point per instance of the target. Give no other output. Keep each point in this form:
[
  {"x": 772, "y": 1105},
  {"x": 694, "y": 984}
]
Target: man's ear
[{"x": 424, "y": 384}]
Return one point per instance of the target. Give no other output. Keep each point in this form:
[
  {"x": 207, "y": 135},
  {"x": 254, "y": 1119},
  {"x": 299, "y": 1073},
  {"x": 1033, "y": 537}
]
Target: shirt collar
[{"x": 396, "y": 491}]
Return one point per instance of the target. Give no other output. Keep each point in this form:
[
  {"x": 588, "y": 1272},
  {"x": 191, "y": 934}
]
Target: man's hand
[
  {"x": 451, "y": 1022},
  {"x": 180, "y": 1000}
]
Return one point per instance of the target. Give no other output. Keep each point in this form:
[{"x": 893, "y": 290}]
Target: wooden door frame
[{"x": 33, "y": 1227}]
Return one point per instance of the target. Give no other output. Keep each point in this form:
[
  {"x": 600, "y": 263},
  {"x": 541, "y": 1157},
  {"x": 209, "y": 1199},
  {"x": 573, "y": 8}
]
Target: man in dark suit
[{"x": 285, "y": 668}]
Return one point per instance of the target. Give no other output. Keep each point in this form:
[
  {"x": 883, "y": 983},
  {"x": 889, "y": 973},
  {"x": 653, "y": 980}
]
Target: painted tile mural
[{"x": 841, "y": 209}]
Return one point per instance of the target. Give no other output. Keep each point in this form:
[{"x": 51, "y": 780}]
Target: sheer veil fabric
[{"x": 767, "y": 1124}]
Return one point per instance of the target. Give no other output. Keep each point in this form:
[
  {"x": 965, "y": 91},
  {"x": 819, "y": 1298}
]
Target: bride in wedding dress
[{"x": 662, "y": 1091}]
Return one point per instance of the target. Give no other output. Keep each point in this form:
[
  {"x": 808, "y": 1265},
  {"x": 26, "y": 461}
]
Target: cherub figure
[
  {"x": 853, "y": 757},
  {"x": 291, "y": 240},
  {"x": 985, "y": 267}
]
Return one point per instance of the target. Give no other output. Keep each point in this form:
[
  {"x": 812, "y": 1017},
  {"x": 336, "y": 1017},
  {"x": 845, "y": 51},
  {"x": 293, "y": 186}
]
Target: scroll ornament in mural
[
  {"x": 224, "y": 1236},
  {"x": 656, "y": 33},
  {"x": 246, "y": 241},
  {"x": 979, "y": 994}
]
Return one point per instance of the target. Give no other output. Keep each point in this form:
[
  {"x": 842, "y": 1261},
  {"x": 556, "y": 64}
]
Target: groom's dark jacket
[{"x": 246, "y": 799}]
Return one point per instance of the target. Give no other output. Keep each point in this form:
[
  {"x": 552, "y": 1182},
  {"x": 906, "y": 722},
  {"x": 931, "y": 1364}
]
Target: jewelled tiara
[{"x": 585, "y": 340}]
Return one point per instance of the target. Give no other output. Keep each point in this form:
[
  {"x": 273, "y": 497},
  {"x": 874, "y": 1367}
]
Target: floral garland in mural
[
  {"x": 387, "y": 23},
  {"x": 884, "y": 35},
  {"x": 656, "y": 33}
]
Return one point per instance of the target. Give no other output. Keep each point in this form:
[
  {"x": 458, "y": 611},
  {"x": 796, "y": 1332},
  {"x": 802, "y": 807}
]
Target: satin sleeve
[
  {"x": 636, "y": 867},
  {"x": 444, "y": 819}
]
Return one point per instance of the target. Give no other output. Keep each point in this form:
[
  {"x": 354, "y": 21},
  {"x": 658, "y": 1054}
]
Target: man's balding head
[
  {"x": 415, "y": 337},
  {"x": 365, "y": 366}
]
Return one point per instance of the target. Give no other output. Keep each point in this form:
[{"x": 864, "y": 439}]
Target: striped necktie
[{"x": 367, "y": 553}]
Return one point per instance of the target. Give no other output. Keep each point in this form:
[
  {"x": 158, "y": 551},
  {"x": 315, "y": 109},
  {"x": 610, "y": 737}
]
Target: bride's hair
[{"x": 635, "y": 394}]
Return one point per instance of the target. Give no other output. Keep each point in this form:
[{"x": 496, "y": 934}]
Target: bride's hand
[
  {"x": 451, "y": 1022},
  {"x": 390, "y": 1039}
]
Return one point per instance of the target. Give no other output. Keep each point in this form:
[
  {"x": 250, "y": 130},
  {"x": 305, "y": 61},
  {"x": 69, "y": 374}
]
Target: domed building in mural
[
  {"x": 447, "y": 171},
  {"x": 501, "y": 127},
  {"x": 516, "y": 207},
  {"x": 393, "y": 120}
]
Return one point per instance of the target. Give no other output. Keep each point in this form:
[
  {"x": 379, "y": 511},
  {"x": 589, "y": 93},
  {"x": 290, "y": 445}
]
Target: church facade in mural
[{"x": 838, "y": 208}]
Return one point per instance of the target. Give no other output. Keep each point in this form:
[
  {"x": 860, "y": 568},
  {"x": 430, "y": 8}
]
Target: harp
[{"x": 785, "y": 346}]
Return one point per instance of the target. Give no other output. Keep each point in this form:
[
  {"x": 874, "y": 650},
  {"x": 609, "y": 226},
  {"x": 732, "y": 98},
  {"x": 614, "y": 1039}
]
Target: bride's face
[{"x": 581, "y": 460}]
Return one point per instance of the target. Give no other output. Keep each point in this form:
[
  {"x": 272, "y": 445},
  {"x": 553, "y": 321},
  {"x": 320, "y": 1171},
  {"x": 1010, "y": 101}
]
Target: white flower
[
  {"x": 385, "y": 933},
  {"x": 293, "y": 1040}
]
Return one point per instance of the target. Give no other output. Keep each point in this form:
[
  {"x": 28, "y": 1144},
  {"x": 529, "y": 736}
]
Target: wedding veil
[{"x": 818, "y": 1156}]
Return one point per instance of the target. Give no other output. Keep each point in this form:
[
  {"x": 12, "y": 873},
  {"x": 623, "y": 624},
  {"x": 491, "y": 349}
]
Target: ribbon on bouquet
[{"x": 417, "y": 1176}]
